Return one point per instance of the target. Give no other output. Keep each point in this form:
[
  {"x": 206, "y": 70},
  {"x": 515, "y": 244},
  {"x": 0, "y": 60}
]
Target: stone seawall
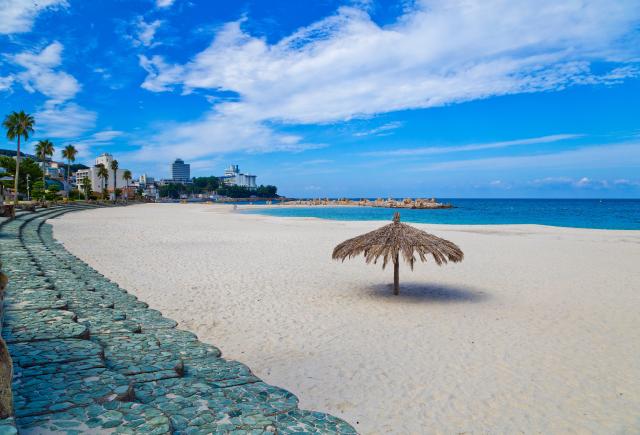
[{"x": 90, "y": 357}]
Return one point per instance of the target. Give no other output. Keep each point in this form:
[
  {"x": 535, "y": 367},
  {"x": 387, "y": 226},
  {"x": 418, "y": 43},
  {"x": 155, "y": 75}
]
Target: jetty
[
  {"x": 87, "y": 356},
  {"x": 407, "y": 203}
]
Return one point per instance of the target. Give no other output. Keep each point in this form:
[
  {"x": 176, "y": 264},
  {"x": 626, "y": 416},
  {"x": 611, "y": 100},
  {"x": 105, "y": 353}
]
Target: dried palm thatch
[{"x": 391, "y": 240}]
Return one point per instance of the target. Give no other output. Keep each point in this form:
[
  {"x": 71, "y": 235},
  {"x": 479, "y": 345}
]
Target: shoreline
[
  {"x": 251, "y": 208},
  {"x": 524, "y": 334}
]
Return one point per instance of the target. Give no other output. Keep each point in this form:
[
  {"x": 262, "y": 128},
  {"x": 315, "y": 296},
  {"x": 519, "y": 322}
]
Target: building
[
  {"x": 180, "y": 171},
  {"x": 97, "y": 182},
  {"x": 145, "y": 180},
  {"x": 233, "y": 177},
  {"x": 55, "y": 170}
]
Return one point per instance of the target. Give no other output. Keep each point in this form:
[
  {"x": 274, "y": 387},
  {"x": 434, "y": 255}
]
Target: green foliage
[
  {"x": 86, "y": 187},
  {"x": 206, "y": 184},
  {"x": 18, "y": 125},
  {"x": 69, "y": 152},
  {"x": 172, "y": 190},
  {"x": 267, "y": 191},
  {"x": 51, "y": 193},
  {"x": 44, "y": 149},
  {"x": 209, "y": 184},
  {"x": 27, "y": 166},
  {"x": 37, "y": 190},
  {"x": 75, "y": 195},
  {"x": 243, "y": 192}
]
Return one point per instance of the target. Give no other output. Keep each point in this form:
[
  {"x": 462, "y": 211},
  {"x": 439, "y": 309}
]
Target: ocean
[{"x": 618, "y": 214}]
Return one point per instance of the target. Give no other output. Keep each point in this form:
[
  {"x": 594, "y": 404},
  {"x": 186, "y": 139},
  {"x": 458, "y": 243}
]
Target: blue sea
[{"x": 619, "y": 214}]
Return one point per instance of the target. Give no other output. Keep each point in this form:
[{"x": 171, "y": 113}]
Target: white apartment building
[
  {"x": 97, "y": 182},
  {"x": 233, "y": 177}
]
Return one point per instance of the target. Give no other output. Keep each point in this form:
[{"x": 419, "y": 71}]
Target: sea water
[{"x": 619, "y": 214}]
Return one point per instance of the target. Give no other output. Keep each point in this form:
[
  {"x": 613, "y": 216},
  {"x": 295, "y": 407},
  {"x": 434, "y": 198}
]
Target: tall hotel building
[{"x": 180, "y": 171}]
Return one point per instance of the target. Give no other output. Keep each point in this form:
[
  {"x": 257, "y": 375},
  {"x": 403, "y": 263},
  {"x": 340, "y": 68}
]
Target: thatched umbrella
[{"x": 391, "y": 240}]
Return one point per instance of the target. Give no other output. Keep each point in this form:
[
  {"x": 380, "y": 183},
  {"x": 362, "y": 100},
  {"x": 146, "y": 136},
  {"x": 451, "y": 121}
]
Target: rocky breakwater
[{"x": 418, "y": 203}]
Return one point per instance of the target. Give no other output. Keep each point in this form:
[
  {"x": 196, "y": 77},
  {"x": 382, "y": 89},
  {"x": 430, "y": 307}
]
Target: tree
[
  {"x": 86, "y": 186},
  {"x": 18, "y": 125},
  {"x": 44, "y": 148},
  {"x": 69, "y": 152},
  {"x": 103, "y": 174},
  {"x": 38, "y": 190},
  {"x": 114, "y": 168},
  {"x": 127, "y": 177},
  {"x": 28, "y": 167},
  {"x": 171, "y": 190},
  {"x": 206, "y": 184},
  {"x": 51, "y": 194},
  {"x": 267, "y": 191}
]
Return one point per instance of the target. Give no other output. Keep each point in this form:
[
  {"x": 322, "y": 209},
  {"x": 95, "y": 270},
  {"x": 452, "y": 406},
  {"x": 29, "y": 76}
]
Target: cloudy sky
[{"x": 448, "y": 98}]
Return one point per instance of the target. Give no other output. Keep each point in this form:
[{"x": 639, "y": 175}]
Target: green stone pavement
[{"x": 91, "y": 358}]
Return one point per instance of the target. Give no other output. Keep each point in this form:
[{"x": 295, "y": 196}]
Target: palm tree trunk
[
  {"x": 396, "y": 275},
  {"x": 15, "y": 199}
]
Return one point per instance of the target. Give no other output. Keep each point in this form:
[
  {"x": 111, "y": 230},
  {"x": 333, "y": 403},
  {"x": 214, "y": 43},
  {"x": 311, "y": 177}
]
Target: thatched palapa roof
[{"x": 391, "y": 240}]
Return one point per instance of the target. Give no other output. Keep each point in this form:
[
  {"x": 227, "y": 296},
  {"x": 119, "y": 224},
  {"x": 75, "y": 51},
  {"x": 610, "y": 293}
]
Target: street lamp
[{"x": 28, "y": 178}]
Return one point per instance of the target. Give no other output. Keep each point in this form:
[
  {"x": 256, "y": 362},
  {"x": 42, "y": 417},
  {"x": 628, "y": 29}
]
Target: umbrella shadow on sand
[{"x": 428, "y": 292}]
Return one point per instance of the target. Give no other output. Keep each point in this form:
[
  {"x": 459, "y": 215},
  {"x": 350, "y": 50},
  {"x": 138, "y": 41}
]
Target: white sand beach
[{"x": 536, "y": 331}]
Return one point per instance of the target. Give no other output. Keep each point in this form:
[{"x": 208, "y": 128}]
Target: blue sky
[{"x": 458, "y": 98}]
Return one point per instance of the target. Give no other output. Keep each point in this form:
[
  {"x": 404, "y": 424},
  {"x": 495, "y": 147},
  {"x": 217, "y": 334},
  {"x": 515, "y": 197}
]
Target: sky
[{"x": 444, "y": 98}]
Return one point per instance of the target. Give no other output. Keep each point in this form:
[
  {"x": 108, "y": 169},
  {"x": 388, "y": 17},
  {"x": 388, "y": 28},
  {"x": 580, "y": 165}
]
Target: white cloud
[
  {"x": 216, "y": 133},
  {"x": 164, "y": 3},
  {"x": 6, "y": 82},
  {"x": 584, "y": 183},
  {"x": 66, "y": 121},
  {"x": 382, "y": 130},
  {"x": 59, "y": 117},
  {"x": 471, "y": 147},
  {"x": 17, "y": 16},
  {"x": 155, "y": 66},
  {"x": 85, "y": 145},
  {"x": 41, "y": 75},
  {"x": 623, "y": 182},
  {"x": 146, "y": 32},
  {"x": 440, "y": 52},
  {"x": 626, "y": 155}
]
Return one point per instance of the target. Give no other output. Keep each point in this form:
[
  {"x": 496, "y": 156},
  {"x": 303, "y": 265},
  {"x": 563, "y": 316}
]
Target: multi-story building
[
  {"x": 145, "y": 180},
  {"x": 96, "y": 182},
  {"x": 233, "y": 177},
  {"x": 180, "y": 171},
  {"x": 55, "y": 170}
]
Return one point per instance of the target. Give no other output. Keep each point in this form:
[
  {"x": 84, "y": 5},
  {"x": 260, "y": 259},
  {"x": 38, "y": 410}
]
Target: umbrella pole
[{"x": 396, "y": 276}]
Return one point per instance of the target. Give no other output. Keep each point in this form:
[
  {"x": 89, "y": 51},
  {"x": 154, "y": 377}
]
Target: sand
[{"x": 536, "y": 331}]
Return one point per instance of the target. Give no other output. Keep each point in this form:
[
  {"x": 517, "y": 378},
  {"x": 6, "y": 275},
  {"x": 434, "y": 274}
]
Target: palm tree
[
  {"x": 103, "y": 173},
  {"x": 44, "y": 148},
  {"x": 18, "y": 125},
  {"x": 127, "y": 177},
  {"x": 86, "y": 185},
  {"x": 69, "y": 152},
  {"x": 114, "y": 168}
]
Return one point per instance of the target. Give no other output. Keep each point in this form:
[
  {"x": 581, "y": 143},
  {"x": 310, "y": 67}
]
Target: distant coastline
[{"x": 610, "y": 214}]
